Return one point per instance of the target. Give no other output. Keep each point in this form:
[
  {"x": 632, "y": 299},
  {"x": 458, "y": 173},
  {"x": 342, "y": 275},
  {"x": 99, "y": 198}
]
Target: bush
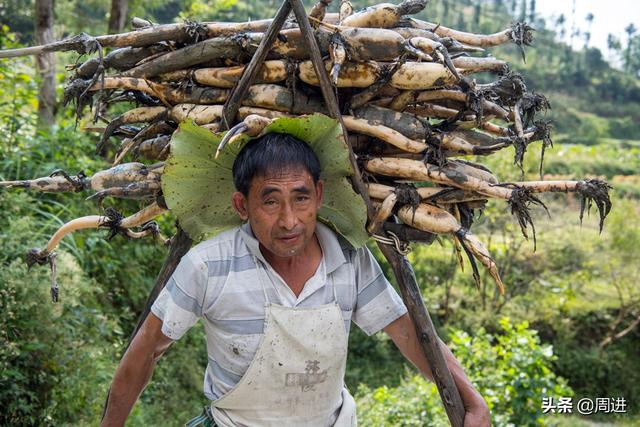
[
  {"x": 52, "y": 360},
  {"x": 580, "y": 127},
  {"x": 625, "y": 128},
  {"x": 53, "y": 364},
  {"x": 57, "y": 360},
  {"x": 592, "y": 374},
  {"x": 511, "y": 370},
  {"x": 373, "y": 360}
]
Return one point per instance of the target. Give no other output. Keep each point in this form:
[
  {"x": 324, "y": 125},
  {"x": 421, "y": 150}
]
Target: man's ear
[
  {"x": 320, "y": 191},
  {"x": 239, "y": 203}
]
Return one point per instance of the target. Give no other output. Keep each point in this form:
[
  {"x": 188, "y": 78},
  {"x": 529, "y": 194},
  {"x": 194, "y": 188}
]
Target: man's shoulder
[
  {"x": 351, "y": 253},
  {"x": 335, "y": 239},
  {"x": 223, "y": 245}
]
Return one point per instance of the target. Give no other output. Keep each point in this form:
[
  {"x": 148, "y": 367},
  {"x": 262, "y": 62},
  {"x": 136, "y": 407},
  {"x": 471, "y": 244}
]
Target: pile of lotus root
[{"x": 407, "y": 90}]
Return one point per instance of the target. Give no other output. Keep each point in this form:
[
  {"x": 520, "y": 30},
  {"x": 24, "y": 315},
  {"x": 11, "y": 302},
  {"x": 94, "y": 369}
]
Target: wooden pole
[
  {"x": 426, "y": 333},
  {"x": 329, "y": 95},
  {"x": 250, "y": 73}
]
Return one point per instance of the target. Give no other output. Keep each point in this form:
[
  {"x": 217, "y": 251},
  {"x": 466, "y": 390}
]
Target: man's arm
[
  {"x": 135, "y": 370},
  {"x": 403, "y": 334}
]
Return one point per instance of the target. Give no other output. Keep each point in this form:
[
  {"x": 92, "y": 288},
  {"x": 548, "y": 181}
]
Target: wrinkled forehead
[{"x": 282, "y": 175}]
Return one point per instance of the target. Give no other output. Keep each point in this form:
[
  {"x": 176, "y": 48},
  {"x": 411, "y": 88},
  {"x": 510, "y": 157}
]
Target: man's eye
[
  {"x": 302, "y": 198},
  {"x": 270, "y": 202}
]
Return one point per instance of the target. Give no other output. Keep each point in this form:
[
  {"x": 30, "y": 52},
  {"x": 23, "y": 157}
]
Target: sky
[{"x": 610, "y": 16}]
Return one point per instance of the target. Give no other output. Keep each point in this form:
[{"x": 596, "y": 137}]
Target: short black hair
[{"x": 273, "y": 152}]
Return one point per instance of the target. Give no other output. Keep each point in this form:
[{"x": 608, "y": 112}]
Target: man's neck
[
  {"x": 297, "y": 269},
  {"x": 311, "y": 255}
]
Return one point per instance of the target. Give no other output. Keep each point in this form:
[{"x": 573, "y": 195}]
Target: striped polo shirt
[{"x": 224, "y": 280}]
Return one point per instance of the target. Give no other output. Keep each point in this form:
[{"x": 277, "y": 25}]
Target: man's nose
[{"x": 288, "y": 218}]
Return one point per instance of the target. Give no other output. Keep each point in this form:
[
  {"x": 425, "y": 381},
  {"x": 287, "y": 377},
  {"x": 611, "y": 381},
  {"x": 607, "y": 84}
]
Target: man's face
[{"x": 281, "y": 208}]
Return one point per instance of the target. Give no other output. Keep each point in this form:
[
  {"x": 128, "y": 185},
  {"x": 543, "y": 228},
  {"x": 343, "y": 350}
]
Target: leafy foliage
[
  {"x": 511, "y": 369},
  {"x": 373, "y": 361},
  {"x": 52, "y": 357}
]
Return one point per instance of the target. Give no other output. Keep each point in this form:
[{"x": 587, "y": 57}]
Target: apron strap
[
  {"x": 333, "y": 286},
  {"x": 258, "y": 272}
]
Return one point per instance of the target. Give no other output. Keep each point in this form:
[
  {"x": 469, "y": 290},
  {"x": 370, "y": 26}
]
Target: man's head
[{"x": 279, "y": 192}]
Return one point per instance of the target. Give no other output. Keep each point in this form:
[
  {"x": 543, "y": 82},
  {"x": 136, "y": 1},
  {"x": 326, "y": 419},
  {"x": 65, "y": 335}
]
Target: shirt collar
[{"x": 331, "y": 249}]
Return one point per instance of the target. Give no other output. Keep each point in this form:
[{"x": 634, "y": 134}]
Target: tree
[
  {"x": 18, "y": 15},
  {"x": 560, "y": 23},
  {"x": 118, "y": 15},
  {"x": 630, "y": 30},
  {"x": 613, "y": 44},
  {"x": 622, "y": 270},
  {"x": 477, "y": 12},
  {"x": 574, "y": 30},
  {"x": 587, "y": 34},
  {"x": 461, "y": 22},
  {"x": 594, "y": 62},
  {"x": 532, "y": 11},
  {"x": 523, "y": 11},
  {"x": 45, "y": 64}
]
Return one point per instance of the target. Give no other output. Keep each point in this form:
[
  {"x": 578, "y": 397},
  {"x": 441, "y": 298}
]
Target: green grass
[{"x": 623, "y": 143}]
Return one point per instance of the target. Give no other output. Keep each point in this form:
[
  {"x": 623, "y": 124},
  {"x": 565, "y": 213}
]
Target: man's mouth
[{"x": 289, "y": 238}]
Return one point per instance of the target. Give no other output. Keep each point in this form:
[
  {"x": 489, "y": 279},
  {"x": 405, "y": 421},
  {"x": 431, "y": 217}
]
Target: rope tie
[{"x": 403, "y": 248}]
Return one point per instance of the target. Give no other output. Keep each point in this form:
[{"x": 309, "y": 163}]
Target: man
[{"x": 277, "y": 296}]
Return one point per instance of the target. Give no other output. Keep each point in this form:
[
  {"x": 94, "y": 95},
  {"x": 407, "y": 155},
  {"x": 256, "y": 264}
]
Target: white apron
[{"x": 296, "y": 377}]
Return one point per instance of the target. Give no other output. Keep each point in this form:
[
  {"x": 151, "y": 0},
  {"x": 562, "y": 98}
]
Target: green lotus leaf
[{"x": 197, "y": 187}]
